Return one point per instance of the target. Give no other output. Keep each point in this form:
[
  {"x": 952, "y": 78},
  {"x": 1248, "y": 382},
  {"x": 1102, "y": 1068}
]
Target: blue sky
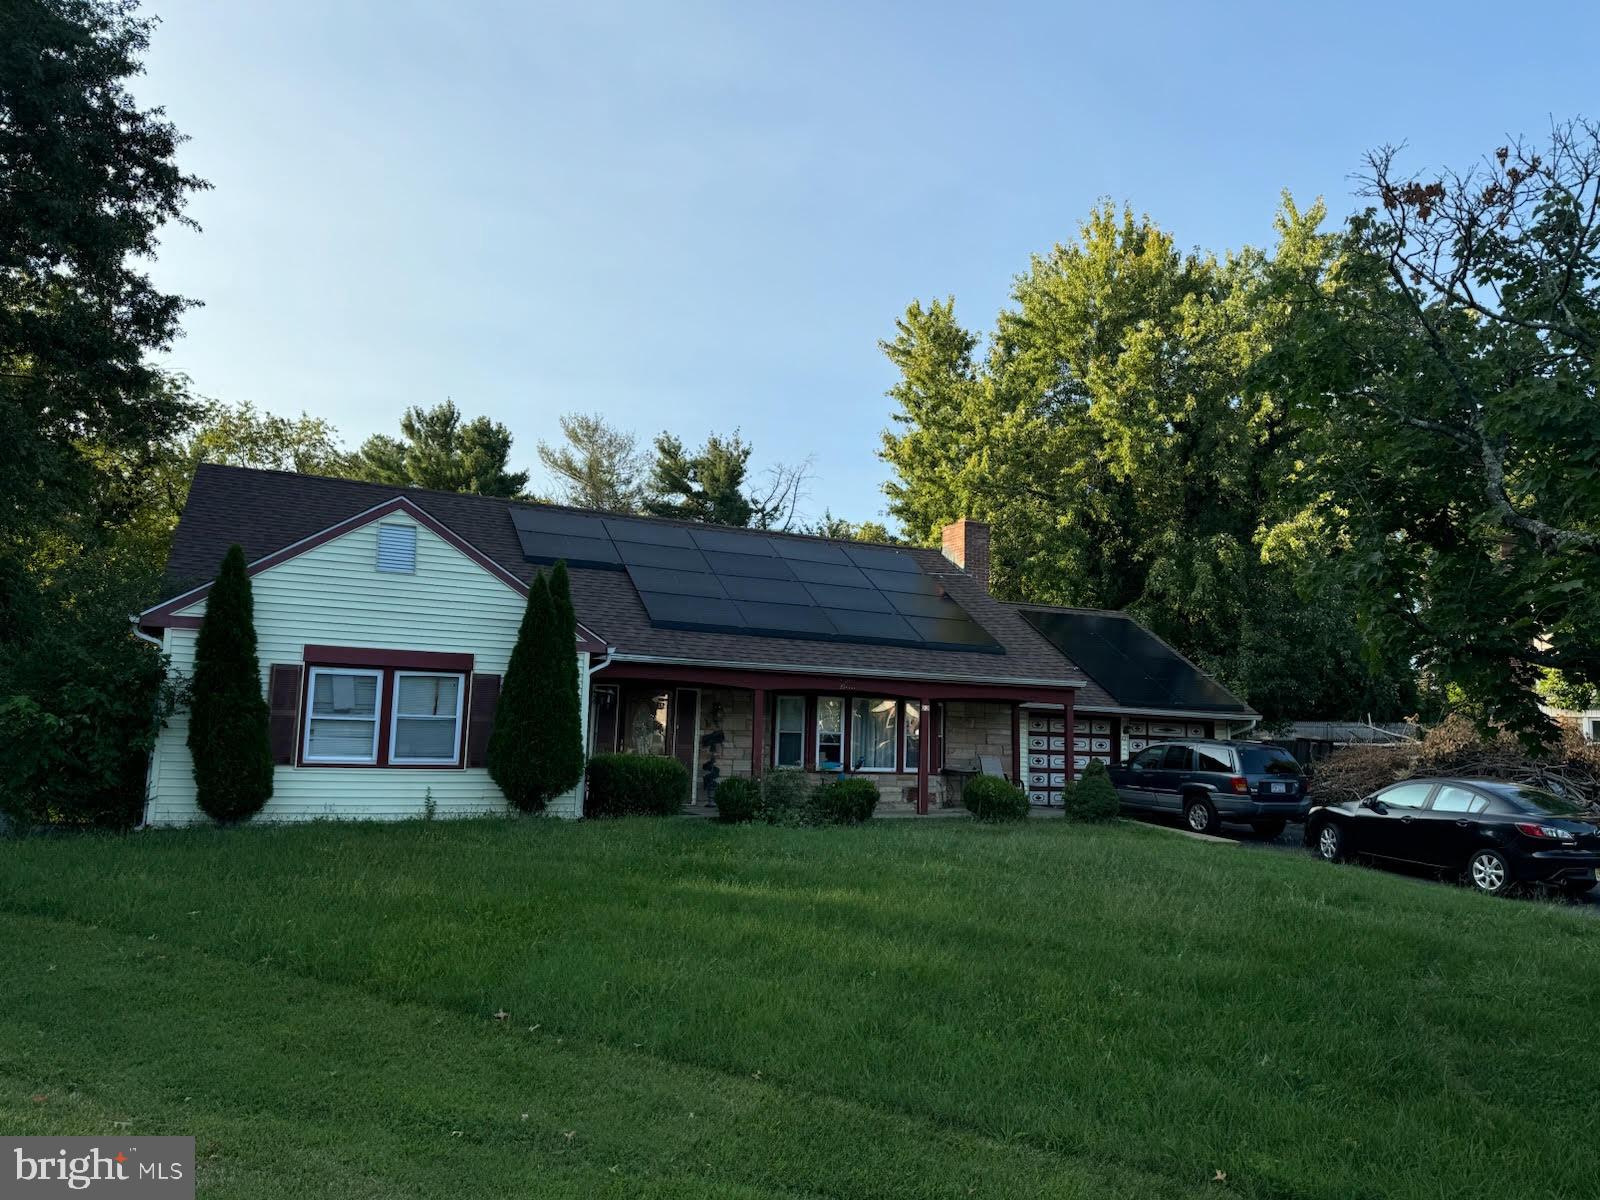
[{"x": 699, "y": 216}]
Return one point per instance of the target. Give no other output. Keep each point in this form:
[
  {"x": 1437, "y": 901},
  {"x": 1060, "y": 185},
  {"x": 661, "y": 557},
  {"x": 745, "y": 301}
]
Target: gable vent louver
[{"x": 397, "y": 549}]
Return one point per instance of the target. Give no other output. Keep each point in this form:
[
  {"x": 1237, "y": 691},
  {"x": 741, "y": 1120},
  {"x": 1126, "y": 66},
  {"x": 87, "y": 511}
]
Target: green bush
[
  {"x": 786, "y": 797},
  {"x": 1092, "y": 798},
  {"x": 625, "y": 785},
  {"x": 990, "y": 798},
  {"x": 737, "y": 800},
  {"x": 845, "y": 801}
]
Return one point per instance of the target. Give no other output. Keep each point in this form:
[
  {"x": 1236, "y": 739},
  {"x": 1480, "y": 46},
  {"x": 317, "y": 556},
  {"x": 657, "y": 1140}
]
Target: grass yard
[{"x": 900, "y": 1010}]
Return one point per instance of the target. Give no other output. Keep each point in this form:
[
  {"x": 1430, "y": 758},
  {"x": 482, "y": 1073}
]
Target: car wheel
[
  {"x": 1329, "y": 841},
  {"x": 1489, "y": 873},
  {"x": 1270, "y": 829},
  {"x": 1199, "y": 816}
]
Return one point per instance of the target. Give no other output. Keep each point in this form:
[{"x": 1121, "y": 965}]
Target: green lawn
[{"x": 898, "y": 1010}]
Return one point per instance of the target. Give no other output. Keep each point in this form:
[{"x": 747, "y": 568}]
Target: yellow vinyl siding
[{"x": 335, "y": 595}]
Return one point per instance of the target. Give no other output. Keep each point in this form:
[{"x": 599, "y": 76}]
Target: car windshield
[
  {"x": 1537, "y": 801},
  {"x": 1267, "y": 760}
]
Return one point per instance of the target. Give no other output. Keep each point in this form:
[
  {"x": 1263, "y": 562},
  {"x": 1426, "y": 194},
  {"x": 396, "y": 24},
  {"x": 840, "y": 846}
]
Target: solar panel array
[
  {"x": 1135, "y": 666},
  {"x": 718, "y": 580}
]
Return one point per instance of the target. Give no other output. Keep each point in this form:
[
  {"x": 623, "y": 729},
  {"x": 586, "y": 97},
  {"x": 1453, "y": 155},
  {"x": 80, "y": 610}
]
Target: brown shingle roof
[{"x": 265, "y": 511}]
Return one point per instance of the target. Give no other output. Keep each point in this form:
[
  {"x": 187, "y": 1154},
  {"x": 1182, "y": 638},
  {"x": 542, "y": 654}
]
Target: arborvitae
[
  {"x": 536, "y": 750},
  {"x": 228, "y": 734},
  {"x": 566, "y": 748}
]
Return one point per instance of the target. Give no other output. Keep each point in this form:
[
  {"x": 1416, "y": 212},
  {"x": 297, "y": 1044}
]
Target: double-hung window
[
  {"x": 426, "y": 725},
  {"x": 342, "y": 715},
  {"x": 873, "y": 734},
  {"x": 830, "y": 733},
  {"x": 789, "y": 732}
]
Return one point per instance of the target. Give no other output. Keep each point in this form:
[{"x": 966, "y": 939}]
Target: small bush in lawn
[
  {"x": 785, "y": 797},
  {"x": 623, "y": 785},
  {"x": 845, "y": 801},
  {"x": 1092, "y": 798},
  {"x": 737, "y": 800},
  {"x": 991, "y": 798}
]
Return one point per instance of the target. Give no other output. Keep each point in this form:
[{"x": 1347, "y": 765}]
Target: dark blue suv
[{"x": 1209, "y": 782}]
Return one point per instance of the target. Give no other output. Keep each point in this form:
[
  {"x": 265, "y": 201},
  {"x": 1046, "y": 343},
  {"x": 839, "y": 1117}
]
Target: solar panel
[
  {"x": 1135, "y": 666},
  {"x": 883, "y": 560},
  {"x": 733, "y": 543},
  {"x": 788, "y": 620},
  {"x": 677, "y": 583},
  {"x": 857, "y": 626},
  {"x": 746, "y": 582},
  {"x": 648, "y": 532},
  {"x": 747, "y": 565},
  {"x": 675, "y": 558},
  {"x": 773, "y": 591},
  {"x": 692, "y": 612},
  {"x": 840, "y": 574},
  {"x": 575, "y": 551},
  {"x": 899, "y": 581},
  {"x": 542, "y": 520},
  {"x": 817, "y": 552},
  {"x": 964, "y": 634},
  {"x": 914, "y": 604},
  {"x": 853, "y": 598}
]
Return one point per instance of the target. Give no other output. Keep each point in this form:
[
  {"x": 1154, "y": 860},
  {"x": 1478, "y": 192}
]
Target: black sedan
[{"x": 1497, "y": 835}]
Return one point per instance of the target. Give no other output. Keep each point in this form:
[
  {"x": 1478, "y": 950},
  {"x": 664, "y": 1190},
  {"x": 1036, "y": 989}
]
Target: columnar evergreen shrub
[
  {"x": 536, "y": 749},
  {"x": 1092, "y": 798},
  {"x": 228, "y": 732},
  {"x": 737, "y": 800},
  {"x": 622, "y": 785},
  {"x": 845, "y": 801},
  {"x": 991, "y": 798}
]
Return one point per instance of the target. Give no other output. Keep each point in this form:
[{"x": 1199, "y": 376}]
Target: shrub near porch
[{"x": 898, "y": 1009}]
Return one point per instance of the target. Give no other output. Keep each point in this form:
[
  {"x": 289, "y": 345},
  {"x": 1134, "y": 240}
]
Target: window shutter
[
  {"x": 397, "y": 549},
  {"x": 480, "y": 719},
  {"x": 283, "y": 702}
]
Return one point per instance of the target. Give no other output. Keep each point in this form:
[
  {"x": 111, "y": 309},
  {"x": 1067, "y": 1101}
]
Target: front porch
[{"x": 918, "y": 740}]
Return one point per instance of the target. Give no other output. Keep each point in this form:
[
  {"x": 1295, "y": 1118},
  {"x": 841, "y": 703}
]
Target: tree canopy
[
  {"x": 438, "y": 449},
  {"x": 599, "y": 467}
]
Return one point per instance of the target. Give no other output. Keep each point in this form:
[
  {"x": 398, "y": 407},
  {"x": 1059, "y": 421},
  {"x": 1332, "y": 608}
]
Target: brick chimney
[{"x": 966, "y": 543}]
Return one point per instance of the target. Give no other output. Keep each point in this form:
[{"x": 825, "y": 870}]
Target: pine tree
[
  {"x": 536, "y": 752},
  {"x": 228, "y": 734}
]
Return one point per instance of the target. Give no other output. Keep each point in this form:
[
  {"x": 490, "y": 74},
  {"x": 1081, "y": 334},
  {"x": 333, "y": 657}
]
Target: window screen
[
  {"x": 872, "y": 735},
  {"x": 789, "y": 740},
  {"x": 342, "y": 718},
  {"x": 427, "y": 718}
]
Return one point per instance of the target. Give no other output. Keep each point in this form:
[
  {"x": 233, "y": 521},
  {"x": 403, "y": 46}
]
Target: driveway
[{"x": 1288, "y": 842}]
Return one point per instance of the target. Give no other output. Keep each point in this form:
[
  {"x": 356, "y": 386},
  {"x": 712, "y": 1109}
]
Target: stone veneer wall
[{"x": 971, "y": 728}]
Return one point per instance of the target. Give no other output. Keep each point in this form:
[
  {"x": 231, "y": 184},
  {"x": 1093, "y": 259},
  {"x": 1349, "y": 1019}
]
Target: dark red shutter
[
  {"x": 283, "y": 703},
  {"x": 480, "y": 718}
]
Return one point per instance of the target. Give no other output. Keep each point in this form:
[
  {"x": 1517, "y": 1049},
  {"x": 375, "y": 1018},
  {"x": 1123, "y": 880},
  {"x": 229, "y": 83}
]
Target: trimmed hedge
[
  {"x": 845, "y": 801},
  {"x": 737, "y": 800},
  {"x": 990, "y": 798},
  {"x": 1092, "y": 798},
  {"x": 624, "y": 785}
]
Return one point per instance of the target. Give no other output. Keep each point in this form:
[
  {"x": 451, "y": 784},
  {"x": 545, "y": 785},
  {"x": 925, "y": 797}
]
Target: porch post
[
  {"x": 1072, "y": 755},
  {"x": 1016, "y": 744},
  {"x": 924, "y": 752},
  {"x": 758, "y": 729}
]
